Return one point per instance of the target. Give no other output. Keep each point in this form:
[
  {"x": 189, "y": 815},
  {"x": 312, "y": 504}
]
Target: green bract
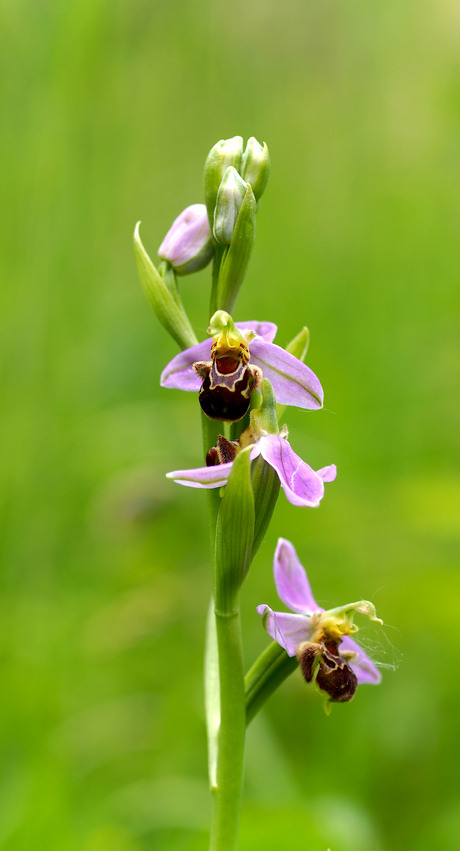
[
  {"x": 299, "y": 344},
  {"x": 264, "y": 419},
  {"x": 236, "y": 260},
  {"x": 167, "y": 307},
  {"x": 234, "y": 534}
]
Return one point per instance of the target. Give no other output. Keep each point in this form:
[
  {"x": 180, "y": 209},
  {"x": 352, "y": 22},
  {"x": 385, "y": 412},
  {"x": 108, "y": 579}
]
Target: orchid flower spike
[
  {"x": 230, "y": 365},
  {"x": 320, "y": 639},
  {"x": 301, "y": 484}
]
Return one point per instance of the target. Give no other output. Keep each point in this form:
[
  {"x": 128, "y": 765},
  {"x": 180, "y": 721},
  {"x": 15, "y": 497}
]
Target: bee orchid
[
  {"x": 301, "y": 484},
  {"x": 226, "y": 369},
  {"x": 321, "y": 639}
]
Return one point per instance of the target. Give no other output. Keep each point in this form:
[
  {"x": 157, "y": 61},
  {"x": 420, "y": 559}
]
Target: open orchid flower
[
  {"x": 301, "y": 484},
  {"x": 294, "y": 383},
  {"x": 320, "y": 639}
]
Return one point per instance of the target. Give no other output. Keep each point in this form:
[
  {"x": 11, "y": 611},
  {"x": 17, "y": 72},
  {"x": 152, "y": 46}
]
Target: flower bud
[
  {"x": 255, "y": 166},
  {"x": 228, "y": 204},
  {"x": 188, "y": 245},
  {"x": 227, "y": 152}
]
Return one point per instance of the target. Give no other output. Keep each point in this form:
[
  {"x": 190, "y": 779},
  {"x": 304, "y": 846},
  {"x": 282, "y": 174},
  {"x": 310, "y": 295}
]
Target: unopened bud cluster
[{"x": 228, "y": 175}]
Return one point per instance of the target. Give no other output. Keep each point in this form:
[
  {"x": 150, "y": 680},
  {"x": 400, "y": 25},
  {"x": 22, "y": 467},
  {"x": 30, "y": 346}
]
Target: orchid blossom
[
  {"x": 294, "y": 383},
  {"x": 301, "y": 484},
  {"x": 320, "y": 638}
]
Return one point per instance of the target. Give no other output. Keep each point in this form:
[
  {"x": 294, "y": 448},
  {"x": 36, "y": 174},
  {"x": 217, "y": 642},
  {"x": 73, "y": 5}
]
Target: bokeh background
[{"x": 108, "y": 112}]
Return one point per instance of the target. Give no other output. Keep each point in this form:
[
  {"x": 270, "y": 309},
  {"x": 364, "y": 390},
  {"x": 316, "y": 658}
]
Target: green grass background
[{"x": 108, "y": 111}]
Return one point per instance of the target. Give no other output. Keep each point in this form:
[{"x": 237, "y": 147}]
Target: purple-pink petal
[
  {"x": 362, "y": 665},
  {"x": 286, "y": 629},
  {"x": 291, "y": 580},
  {"x": 179, "y": 373},
  {"x": 294, "y": 383},
  {"x": 202, "y": 477},
  {"x": 327, "y": 474},
  {"x": 300, "y": 483},
  {"x": 188, "y": 236}
]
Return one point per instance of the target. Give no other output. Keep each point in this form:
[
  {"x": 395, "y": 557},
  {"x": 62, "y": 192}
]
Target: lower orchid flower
[
  {"x": 301, "y": 484},
  {"x": 227, "y": 368},
  {"x": 321, "y": 639}
]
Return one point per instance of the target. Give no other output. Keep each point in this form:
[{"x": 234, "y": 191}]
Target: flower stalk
[
  {"x": 227, "y": 792},
  {"x": 233, "y": 546},
  {"x": 266, "y": 675}
]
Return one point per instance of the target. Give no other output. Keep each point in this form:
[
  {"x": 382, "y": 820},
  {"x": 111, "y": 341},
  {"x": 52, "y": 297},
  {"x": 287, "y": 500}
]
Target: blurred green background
[{"x": 108, "y": 112}]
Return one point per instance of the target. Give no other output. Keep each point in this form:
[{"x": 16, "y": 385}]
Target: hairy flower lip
[
  {"x": 294, "y": 383},
  {"x": 291, "y": 629}
]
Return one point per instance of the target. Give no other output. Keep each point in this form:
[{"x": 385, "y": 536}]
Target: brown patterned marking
[
  {"x": 333, "y": 675},
  {"x": 307, "y": 656},
  {"x": 225, "y": 451},
  {"x": 336, "y": 678}
]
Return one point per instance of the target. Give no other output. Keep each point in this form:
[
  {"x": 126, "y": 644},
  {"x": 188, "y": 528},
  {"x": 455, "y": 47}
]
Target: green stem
[
  {"x": 216, "y": 264},
  {"x": 211, "y": 429},
  {"x": 267, "y": 673},
  {"x": 224, "y": 674},
  {"x": 212, "y": 695},
  {"x": 226, "y": 794}
]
